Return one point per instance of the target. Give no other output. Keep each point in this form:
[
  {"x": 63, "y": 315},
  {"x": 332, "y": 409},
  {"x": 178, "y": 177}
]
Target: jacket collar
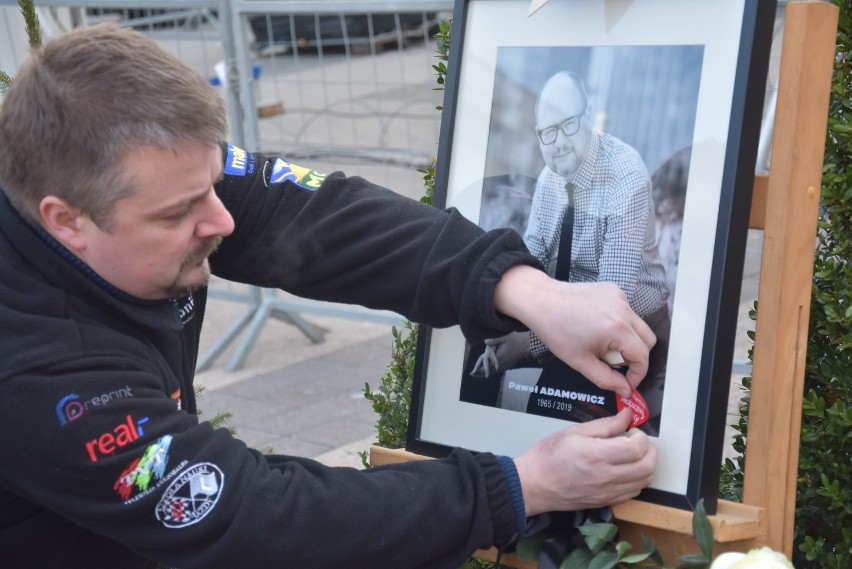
[{"x": 64, "y": 270}]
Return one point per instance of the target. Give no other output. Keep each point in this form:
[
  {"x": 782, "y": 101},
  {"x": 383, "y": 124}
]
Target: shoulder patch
[
  {"x": 191, "y": 496},
  {"x": 146, "y": 473},
  {"x": 237, "y": 162},
  {"x": 283, "y": 171}
]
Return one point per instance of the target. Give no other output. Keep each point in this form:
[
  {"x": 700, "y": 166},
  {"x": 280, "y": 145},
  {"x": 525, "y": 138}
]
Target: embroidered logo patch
[
  {"x": 191, "y": 496},
  {"x": 283, "y": 171},
  {"x": 145, "y": 470},
  {"x": 123, "y": 434},
  {"x": 238, "y": 162},
  {"x": 186, "y": 312},
  {"x": 71, "y": 407}
]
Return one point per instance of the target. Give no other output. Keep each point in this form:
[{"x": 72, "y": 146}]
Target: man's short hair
[{"x": 81, "y": 102}]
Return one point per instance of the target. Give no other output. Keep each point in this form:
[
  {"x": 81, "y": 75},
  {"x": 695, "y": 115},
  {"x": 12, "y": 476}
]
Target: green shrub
[
  {"x": 823, "y": 526},
  {"x": 33, "y": 35},
  {"x": 393, "y": 398},
  {"x": 823, "y": 533}
]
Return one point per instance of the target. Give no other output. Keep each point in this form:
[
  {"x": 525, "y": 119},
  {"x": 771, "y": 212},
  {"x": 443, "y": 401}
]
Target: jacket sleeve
[
  {"x": 343, "y": 239},
  {"x": 136, "y": 470}
]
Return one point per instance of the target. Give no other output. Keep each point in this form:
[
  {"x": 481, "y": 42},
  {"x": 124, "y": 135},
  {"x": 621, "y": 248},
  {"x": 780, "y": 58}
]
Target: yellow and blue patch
[
  {"x": 283, "y": 171},
  {"x": 238, "y": 162}
]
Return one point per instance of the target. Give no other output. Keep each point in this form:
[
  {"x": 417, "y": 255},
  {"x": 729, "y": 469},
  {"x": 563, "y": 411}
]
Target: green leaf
[
  {"x": 5, "y": 81},
  {"x": 529, "y": 548},
  {"x": 702, "y": 530},
  {"x": 694, "y": 560},
  {"x": 577, "y": 559},
  {"x": 636, "y": 557},
  {"x": 598, "y": 536},
  {"x": 622, "y": 547},
  {"x": 651, "y": 547},
  {"x": 604, "y": 560}
]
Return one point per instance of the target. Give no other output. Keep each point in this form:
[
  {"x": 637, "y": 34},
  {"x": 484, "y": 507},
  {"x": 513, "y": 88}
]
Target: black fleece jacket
[{"x": 103, "y": 462}]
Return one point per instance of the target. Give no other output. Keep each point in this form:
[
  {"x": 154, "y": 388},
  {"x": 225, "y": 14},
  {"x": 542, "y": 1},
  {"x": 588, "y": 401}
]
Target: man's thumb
[{"x": 607, "y": 427}]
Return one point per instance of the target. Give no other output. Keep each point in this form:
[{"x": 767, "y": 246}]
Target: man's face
[
  {"x": 157, "y": 243},
  {"x": 561, "y": 108}
]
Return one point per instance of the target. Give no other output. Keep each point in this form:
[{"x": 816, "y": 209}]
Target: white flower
[{"x": 763, "y": 558}]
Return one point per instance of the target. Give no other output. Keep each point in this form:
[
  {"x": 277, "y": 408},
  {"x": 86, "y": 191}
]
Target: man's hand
[
  {"x": 588, "y": 465},
  {"x": 501, "y": 354},
  {"x": 579, "y": 323}
]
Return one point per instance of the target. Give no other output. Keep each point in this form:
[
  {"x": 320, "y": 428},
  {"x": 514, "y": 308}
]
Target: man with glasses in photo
[{"x": 591, "y": 220}]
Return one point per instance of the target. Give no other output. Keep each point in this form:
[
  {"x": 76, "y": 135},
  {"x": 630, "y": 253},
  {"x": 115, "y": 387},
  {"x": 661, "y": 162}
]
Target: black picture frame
[{"x": 497, "y": 48}]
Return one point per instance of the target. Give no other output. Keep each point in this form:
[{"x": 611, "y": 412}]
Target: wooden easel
[{"x": 785, "y": 206}]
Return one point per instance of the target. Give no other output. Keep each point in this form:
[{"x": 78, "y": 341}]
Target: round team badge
[{"x": 191, "y": 496}]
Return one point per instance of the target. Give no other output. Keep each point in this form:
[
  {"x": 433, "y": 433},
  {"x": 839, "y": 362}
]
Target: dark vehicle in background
[{"x": 283, "y": 31}]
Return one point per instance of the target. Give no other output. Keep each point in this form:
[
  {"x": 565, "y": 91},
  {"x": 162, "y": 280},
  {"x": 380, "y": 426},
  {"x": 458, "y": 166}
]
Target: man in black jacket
[{"x": 117, "y": 202}]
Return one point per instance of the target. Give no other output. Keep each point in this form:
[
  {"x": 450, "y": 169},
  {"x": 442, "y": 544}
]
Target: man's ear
[{"x": 64, "y": 222}]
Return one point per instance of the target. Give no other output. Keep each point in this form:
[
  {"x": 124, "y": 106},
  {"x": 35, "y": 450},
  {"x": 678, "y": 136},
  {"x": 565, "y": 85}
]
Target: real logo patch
[
  {"x": 192, "y": 495},
  {"x": 283, "y": 171},
  {"x": 121, "y": 436}
]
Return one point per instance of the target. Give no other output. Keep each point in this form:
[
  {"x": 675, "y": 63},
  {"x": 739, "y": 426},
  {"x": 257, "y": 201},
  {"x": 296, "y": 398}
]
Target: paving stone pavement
[{"x": 294, "y": 396}]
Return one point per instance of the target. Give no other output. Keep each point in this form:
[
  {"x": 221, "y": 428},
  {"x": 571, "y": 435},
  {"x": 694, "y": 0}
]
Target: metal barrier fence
[
  {"x": 334, "y": 85},
  {"x": 342, "y": 82}
]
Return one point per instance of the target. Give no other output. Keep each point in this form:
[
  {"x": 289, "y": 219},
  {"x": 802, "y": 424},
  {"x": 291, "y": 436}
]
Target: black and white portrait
[{"x": 588, "y": 155}]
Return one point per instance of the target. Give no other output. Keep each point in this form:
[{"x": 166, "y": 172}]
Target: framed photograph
[{"x": 619, "y": 138}]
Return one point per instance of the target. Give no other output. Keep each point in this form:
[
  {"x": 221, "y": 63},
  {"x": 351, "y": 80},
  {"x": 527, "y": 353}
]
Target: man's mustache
[{"x": 204, "y": 250}]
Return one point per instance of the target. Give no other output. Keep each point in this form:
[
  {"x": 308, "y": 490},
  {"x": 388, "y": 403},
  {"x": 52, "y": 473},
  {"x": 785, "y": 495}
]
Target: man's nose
[{"x": 217, "y": 221}]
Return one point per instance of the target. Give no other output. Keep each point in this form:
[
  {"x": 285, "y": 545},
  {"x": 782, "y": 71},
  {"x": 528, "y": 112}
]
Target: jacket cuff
[
  {"x": 513, "y": 483},
  {"x": 502, "y": 503},
  {"x": 492, "y": 274}
]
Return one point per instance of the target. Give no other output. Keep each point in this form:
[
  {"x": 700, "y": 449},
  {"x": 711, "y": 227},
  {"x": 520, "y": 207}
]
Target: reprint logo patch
[
  {"x": 192, "y": 495},
  {"x": 71, "y": 407},
  {"x": 283, "y": 171}
]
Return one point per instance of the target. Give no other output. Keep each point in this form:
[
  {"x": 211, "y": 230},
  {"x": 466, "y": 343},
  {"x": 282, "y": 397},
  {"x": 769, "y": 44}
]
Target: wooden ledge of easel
[{"x": 732, "y": 521}]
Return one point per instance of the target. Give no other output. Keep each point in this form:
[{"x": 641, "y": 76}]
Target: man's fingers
[
  {"x": 602, "y": 375},
  {"x": 492, "y": 359},
  {"x": 634, "y": 350},
  {"x": 645, "y": 333},
  {"x": 606, "y": 427},
  {"x": 477, "y": 368}
]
